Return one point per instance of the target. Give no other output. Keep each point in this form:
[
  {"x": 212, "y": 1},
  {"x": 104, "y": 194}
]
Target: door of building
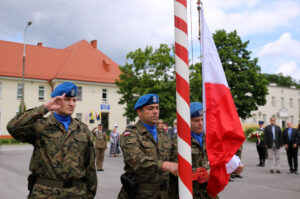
[{"x": 104, "y": 121}]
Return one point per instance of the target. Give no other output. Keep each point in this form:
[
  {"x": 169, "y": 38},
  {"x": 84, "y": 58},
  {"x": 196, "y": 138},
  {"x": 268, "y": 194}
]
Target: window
[
  {"x": 254, "y": 118},
  {"x": 104, "y": 95},
  {"x": 0, "y": 90},
  {"x": 19, "y": 91},
  {"x": 79, "y": 93},
  {"x": 282, "y": 102},
  {"x": 291, "y": 102},
  {"x": 292, "y": 119},
  {"x": 264, "y": 118},
  {"x": 41, "y": 92},
  {"x": 273, "y": 101},
  {"x": 79, "y": 116}
]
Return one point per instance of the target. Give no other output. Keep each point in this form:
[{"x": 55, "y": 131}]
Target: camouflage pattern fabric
[
  {"x": 199, "y": 159},
  {"x": 100, "y": 138},
  {"x": 58, "y": 154},
  {"x": 143, "y": 159},
  {"x": 100, "y": 146}
]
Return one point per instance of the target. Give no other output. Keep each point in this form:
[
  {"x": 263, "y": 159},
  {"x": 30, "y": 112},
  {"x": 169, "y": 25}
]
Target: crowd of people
[
  {"x": 63, "y": 160},
  {"x": 269, "y": 141}
]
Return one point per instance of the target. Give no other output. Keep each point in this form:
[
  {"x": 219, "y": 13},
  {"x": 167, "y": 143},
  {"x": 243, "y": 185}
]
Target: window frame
[
  {"x": 79, "y": 93},
  {"x": 41, "y": 88},
  {"x": 19, "y": 87},
  {"x": 104, "y": 92}
]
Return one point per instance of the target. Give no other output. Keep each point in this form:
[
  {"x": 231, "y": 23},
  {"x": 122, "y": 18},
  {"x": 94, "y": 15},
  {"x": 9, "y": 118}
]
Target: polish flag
[{"x": 224, "y": 133}]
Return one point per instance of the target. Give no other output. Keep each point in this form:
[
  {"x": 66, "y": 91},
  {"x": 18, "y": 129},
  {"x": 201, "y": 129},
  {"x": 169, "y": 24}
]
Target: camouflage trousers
[
  {"x": 99, "y": 157},
  {"x": 145, "y": 194},
  {"x": 43, "y": 192}
]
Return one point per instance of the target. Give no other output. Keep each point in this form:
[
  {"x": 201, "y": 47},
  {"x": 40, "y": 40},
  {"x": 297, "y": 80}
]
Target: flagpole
[
  {"x": 183, "y": 100},
  {"x": 199, "y": 8}
]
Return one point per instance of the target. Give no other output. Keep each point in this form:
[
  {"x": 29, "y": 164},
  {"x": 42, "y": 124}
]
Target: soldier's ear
[{"x": 139, "y": 111}]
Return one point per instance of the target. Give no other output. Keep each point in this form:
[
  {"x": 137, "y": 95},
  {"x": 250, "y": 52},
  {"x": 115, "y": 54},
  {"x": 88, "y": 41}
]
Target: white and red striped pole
[{"x": 183, "y": 101}]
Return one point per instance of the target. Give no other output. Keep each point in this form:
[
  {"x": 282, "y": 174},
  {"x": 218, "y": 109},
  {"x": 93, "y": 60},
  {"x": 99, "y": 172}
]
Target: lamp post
[{"x": 23, "y": 70}]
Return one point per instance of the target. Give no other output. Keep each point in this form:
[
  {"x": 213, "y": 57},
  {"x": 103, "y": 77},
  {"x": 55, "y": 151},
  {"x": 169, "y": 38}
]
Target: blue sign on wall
[{"x": 105, "y": 107}]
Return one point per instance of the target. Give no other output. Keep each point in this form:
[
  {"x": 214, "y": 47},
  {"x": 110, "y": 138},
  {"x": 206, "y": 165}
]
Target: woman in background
[{"x": 114, "y": 142}]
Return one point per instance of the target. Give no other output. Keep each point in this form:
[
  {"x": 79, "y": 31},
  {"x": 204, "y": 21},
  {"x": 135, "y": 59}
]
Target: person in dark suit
[
  {"x": 290, "y": 139},
  {"x": 261, "y": 149},
  {"x": 273, "y": 141}
]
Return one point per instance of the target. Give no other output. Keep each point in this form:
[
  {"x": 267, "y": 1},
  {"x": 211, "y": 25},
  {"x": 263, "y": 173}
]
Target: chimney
[
  {"x": 94, "y": 43},
  {"x": 40, "y": 44}
]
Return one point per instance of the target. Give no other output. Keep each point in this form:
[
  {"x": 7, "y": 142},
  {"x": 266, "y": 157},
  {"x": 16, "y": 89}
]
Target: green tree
[
  {"x": 149, "y": 71},
  {"x": 281, "y": 80},
  {"x": 152, "y": 71},
  {"x": 248, "y": 86}
]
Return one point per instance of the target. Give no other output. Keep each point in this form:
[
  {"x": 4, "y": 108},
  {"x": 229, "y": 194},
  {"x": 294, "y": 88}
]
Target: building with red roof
[{"x": 81, "y": 63}]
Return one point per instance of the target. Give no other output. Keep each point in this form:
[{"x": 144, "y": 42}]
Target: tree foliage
[
  {"x": 149, "y": 71},
  {"x": 281, "y": 80},
  {"x": 248, "y": 86},
  {"x": 152, "y": 71}
]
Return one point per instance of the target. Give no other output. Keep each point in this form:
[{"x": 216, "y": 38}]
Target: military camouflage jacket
[
  {"x": 100, "y": 138},
  {"x": 199, "y": 159},
  {"x": 143, "y": 156},
  {"x": 58, "y": 154}
]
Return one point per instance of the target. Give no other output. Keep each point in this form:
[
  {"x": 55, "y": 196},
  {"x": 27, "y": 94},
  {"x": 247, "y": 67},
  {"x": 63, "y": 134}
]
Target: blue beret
[
  {"x": 260, "y": 122},
  {"x": 67, "y": 87},
  {"x": 146, "y": 100},
  {"x": 196, "y": 109}
]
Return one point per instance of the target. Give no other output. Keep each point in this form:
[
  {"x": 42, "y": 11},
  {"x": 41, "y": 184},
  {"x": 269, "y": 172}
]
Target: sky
[{"x": 120, "y": 26}]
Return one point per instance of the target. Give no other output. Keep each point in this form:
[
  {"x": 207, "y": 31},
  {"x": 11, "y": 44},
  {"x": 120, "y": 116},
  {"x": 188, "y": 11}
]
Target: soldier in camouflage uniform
[
  {"x": 199, "y": 154},
  {"x": 100, "y": 146},
  {"x": 63, "y": 159},
  {"x": 147, "y": 153}
]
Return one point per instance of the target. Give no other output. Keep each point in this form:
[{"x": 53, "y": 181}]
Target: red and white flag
[{"x": 224, "y": 133}]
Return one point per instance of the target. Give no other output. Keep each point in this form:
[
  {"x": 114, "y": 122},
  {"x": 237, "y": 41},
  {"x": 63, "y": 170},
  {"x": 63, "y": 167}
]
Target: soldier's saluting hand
[{"x": 63, "y": 159}]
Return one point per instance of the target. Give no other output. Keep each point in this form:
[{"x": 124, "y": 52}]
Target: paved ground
[{"x": 257, "y": 182}]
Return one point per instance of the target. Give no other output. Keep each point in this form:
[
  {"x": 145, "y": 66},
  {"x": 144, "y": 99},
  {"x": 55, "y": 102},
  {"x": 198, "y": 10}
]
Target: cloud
[
  {"x": 40, "y": 17},
  {"x": 289, "y": 68},
  {"x": 247, "y": 21},
  {"x": 229, "y": 4},
  {"x": 285, "y": 46}
]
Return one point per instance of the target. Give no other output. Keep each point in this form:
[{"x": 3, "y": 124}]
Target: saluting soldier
[
  {"x": 63, "y": 159},
  {"x": 101, "y": 145},
  {"x": 147, "y": 153}
]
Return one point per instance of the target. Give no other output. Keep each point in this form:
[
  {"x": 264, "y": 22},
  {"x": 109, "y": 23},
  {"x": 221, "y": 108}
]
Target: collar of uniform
[
  {"x": 73, "y": 123},
  {"x": 141, "y": 127},
  {"x": 193, "y": 140}
]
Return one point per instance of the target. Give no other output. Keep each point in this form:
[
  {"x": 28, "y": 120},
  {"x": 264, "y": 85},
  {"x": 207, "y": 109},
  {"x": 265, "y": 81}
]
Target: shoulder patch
[{"x": 127, "y": 133}]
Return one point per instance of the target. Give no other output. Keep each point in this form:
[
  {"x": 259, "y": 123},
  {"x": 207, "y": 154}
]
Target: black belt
[
  {"x": 153, "y": 187},
  {"x": 68, "y": 183}
]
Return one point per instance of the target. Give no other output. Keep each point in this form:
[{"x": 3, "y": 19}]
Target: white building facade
[
  {"x": 96, "y": 98},
  {"x": 282, "y": 102}
]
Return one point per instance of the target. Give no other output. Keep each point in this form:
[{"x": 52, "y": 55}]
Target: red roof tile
[{"x": 80, "y": 61}]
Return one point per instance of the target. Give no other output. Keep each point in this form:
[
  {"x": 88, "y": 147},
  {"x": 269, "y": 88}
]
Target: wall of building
[
  {"x": 282, "y": 102},
  {"x": 91, "y": 101}
]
